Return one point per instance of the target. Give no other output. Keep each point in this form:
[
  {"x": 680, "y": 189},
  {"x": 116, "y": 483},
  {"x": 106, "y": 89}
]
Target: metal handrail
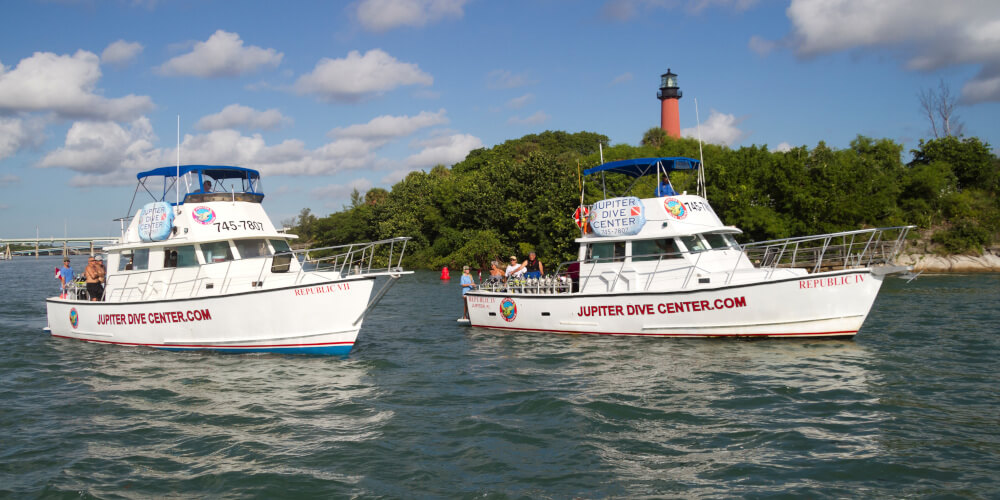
[
  {"x": 357, "y": 257},
  {"x": 858, "y": 248},
  {"x": 850, "y": 252}
]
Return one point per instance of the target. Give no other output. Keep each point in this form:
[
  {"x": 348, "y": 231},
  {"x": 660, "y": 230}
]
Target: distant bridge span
[{"x": 6, "y": 253}]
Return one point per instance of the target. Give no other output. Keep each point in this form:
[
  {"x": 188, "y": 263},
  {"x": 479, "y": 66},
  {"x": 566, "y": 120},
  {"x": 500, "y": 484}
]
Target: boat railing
[
  {"x": 691, "y": 259},
  {"x": 373, "y": 258},
  {"x": 376, "y": 257},
  {"x": 829, "y": 252},
  {"x": 826, "y": 252},
  {"x": 550, "y": 284}
]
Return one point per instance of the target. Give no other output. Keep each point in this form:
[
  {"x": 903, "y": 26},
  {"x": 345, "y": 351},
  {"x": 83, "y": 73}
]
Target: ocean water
[{"x": 423, "y": 408}]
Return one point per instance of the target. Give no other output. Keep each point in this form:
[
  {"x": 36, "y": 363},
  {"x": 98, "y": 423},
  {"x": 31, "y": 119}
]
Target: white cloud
[
  {"x": 9, "y": 179},
  {"x": 386, "y": 127},
  {"x": 622, "y": 78},
  {"x": 353, "y": 77},
  {"x": 762, "y": 46},
  {"x": 66, "y": 86},
  {"x": 719, "y": 128},
  {"x": 536, "y": 119},
  {"x": 243, "y": 117},
  {"x": 519, "y": 102},
  {"x": 106, "y": 148},
  {"x": 106, "y": 153},
  {"x": 929, "y": 34},
  {"x": 503, "y": 79},
  {"x": 222, "y": 55},
  {"x": 384, "y": 15},
  {"x": 13, "y": 136},
  {"x": 784, "y": 147},
  {"x": 121, "y": 53},
  {"x": 444, "y": 150}
]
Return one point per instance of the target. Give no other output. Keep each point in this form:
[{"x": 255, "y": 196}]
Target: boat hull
[
  {"x": 833, "y": 304},
  {"x": 318, "y": 318}
]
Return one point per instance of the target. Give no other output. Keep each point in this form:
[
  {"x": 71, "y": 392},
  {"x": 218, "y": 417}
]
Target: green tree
[
  {"x": 971, "y": 160},
  {"x": 654, "y": 137}
]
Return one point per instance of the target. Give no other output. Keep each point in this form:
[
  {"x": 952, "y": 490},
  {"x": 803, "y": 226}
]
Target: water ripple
[{"x": 425, "y": 409}]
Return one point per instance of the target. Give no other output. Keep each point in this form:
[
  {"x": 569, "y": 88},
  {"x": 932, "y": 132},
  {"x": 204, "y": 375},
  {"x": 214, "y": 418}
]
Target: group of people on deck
[
  {"x": 529, "y": 268},
  {"x": 93, "y": 275}
]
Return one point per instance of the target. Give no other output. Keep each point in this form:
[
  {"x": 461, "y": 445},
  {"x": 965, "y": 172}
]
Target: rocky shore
[{"x": 988, "y": 262}]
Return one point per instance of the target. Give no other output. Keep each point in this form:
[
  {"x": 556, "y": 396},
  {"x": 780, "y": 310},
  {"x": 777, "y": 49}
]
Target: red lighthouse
[{"x": 669, "y": 94}]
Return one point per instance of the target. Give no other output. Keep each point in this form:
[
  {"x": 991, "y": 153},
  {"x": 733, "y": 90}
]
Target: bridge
[{"x": 66, "y": 249}]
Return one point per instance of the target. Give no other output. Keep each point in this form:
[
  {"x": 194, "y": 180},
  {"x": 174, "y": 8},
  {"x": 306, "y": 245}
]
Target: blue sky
[{"x": 323, "y": 97}]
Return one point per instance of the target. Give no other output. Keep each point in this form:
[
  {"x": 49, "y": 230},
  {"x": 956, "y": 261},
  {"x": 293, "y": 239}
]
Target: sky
[{"x": 327, "y": 97}]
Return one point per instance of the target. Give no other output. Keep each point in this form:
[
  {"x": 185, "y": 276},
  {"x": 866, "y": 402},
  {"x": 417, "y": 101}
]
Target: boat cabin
[{"x": 213, "y": 234}]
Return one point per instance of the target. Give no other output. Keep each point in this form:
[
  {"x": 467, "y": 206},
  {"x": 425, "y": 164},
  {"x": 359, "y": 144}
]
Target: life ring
[{"x": 582, "y": 217}]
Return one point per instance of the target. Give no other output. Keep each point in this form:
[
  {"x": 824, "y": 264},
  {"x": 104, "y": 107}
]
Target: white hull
[
  {"x": 831, "y": 304},
  {"x": 315, "y": 318}
]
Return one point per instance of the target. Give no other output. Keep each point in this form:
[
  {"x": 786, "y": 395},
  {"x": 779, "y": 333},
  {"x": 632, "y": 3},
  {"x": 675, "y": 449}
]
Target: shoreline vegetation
[{"x": 520, "y": 196}]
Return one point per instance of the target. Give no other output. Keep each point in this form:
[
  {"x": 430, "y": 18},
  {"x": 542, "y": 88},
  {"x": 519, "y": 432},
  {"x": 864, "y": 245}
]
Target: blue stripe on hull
[
  {"x": 329, "y": 350},
  {"x": 338, "y": 349}
]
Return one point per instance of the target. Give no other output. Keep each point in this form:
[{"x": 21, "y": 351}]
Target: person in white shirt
[{"x": 514, "y": 269}]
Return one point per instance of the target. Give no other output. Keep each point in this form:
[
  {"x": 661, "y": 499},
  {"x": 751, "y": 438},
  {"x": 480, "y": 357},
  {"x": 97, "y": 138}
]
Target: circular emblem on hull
[
  {"x": 74, "y": 317},
  {"x": 203, "y": 215},
  {"x": 508, "y": 309},
  {"x": 675, "y": 208}
]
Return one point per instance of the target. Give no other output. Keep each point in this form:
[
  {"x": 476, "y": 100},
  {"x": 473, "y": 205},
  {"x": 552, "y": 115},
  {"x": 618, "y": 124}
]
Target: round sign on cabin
[
  {"x": 155, "y": 221},
  {"x": 623, "y": 216}
]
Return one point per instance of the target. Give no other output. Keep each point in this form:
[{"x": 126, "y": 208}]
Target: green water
[{"x": 424, "y": 408}]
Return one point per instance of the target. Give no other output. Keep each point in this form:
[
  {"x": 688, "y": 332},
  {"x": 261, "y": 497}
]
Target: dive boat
[
  {"x": 209, "y": 271},
  {"x": 667, "y": 266}
]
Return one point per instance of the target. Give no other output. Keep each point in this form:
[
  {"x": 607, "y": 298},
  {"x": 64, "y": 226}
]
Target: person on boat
[
  {"x": 207, "y": 186},
  {"x": 171, "y": 260},
  {"x": 467, "y": 284},
  {"x": 495, "y": 271},
  {"x": 94, "y": 276},
  {"x": 514, "y": 269},
  {"x": 65, "y": 277},
  {"x": 665, "y": 188},
  {"x": 533, "y": 266}
]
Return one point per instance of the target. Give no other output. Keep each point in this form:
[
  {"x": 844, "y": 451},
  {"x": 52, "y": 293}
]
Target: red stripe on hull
[
  {"x": 201, "y": 346},
  {"x": 690, "y": 335}
]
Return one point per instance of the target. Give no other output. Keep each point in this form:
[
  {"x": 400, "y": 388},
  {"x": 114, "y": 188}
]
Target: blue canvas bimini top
[
  {"x": 213, "y": 171},
  {"x": 639, "y": 167}
]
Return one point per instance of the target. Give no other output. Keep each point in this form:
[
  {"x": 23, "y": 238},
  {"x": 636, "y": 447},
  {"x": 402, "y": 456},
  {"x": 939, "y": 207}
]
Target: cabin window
[
  {"x": 693, "y": 243},
  {"x": 125, "y": 261},
  {"x": 136, "y": 260},
  {"x": 606, "y": 251},
  {"x": 653, "y": 249},
  {"x": 249, "y": 249},
  {"x": 732, "y": 241},
  {"x": 216, "y": 252},
  {"x": 280, "y": 246},
  {"x": 183, "y": 256},
  {"x": 718, "y": 241}
]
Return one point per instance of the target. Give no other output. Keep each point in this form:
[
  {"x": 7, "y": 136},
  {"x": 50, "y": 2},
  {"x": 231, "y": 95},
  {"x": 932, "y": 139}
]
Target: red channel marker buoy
[{"x": 444, "y": 273}]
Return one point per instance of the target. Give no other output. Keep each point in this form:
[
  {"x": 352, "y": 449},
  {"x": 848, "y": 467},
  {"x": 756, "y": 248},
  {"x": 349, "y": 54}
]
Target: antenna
[
  {"x": 702, "y": 190},
  {"x": 177, "y": 181}
]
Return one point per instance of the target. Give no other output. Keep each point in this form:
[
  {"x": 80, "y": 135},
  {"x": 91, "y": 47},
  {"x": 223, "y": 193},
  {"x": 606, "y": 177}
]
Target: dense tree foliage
[{"x": 520, "y": 195}]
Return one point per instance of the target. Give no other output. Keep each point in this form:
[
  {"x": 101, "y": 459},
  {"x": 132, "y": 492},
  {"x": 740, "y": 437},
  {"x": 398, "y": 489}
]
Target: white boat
[
  {"x": 208, "y": 270},
  {"x": 667, "y": 266}
]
